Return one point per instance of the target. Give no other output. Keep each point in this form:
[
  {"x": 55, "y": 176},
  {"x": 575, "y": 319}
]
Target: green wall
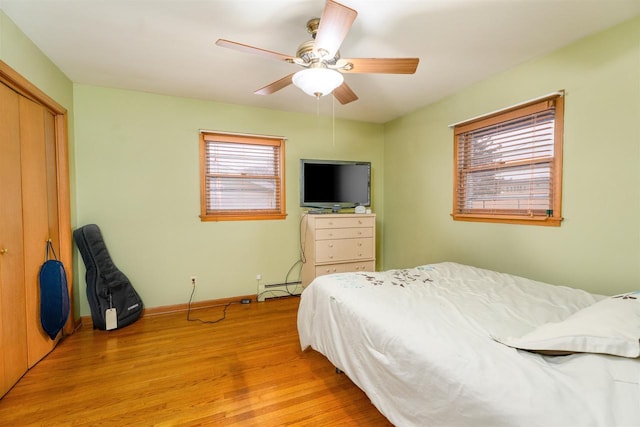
[
  {"x": 138, "y": 179},
  {"x": 134, "y": 171},
  {"x": 597, "y": 246},
  {"x": 22, "y": 55}
]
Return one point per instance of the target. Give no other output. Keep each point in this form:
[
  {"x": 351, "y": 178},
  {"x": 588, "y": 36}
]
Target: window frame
[
  {"x": 552, "y": 217},
  {"x": 243, "y": 214}
]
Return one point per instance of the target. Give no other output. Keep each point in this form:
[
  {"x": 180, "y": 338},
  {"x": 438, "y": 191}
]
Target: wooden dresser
[{"x": 337, "y": 243}]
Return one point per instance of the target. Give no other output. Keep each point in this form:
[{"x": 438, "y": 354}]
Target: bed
[{"x": 442, "y": 345}]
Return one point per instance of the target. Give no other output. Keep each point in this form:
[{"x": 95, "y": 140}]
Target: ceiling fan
[{"x": 323, "y": 66}]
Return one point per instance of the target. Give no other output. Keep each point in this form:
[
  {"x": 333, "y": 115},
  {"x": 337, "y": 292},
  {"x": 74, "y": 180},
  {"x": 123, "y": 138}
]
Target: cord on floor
[{"x": 224, "y": 312}]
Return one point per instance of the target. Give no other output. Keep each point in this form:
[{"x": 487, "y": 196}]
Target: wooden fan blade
[
  {"x": 254, "y": 50},
  {"x": 335, "y": 23},
  {"x": 275, "y": 86},
  {"x": 344, "y": 94},
  {"x": 381, "y": 65}
]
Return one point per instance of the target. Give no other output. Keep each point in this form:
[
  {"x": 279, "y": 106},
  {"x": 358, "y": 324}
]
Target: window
[
  {"x": 241, "y": 177},
  {"x": 508, "y": 165}
]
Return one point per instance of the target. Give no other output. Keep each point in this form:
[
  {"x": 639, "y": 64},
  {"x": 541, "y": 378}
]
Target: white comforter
[{"x": 418, "y": 342}]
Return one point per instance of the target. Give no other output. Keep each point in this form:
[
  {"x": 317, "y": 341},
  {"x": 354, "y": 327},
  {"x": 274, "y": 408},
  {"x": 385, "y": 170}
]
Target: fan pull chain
[{"x": 333, "y": 120}]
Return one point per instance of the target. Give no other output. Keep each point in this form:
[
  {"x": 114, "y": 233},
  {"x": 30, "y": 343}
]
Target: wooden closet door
[
  {"x": 13, "y": 329},
  {"x": 35, "y": 124}
]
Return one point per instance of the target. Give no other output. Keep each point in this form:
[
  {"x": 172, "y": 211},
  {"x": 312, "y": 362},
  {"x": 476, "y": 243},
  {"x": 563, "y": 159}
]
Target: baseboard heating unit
[{"x": 277, "y": 290}]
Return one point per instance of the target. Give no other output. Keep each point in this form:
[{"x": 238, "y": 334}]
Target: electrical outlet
[
  {"x": 258, "y": 276},
  {"x": 194, "y": 280}
]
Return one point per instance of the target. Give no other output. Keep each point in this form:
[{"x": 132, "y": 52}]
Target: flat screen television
[{"x": 334, "y": 184}]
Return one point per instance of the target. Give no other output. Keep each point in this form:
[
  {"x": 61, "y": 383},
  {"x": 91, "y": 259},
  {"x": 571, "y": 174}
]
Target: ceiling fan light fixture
[{"x": 317, "y": 81}]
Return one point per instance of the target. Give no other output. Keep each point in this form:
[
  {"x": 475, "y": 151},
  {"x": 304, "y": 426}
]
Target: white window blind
[
  {"x": 243, "y": 177},
  {"x": 507, "y": 166}
]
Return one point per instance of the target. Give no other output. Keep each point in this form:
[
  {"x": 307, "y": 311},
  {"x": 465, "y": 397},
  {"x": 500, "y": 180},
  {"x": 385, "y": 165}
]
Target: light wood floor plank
[{"x": 246, "y": 370}]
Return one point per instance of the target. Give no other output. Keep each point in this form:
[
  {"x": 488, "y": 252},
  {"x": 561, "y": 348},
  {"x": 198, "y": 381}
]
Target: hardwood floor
[{"x": 164, "y": 370}]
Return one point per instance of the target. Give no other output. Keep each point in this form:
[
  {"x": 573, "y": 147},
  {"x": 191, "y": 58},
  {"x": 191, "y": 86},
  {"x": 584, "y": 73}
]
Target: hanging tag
[{"x": 111, "y": 319}]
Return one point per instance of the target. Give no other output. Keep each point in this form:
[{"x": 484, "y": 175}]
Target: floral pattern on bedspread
[
  {"x": 398, "y": 278},
  {"x": 629, "y": 295},
  {"x": 401, "y": 278}
]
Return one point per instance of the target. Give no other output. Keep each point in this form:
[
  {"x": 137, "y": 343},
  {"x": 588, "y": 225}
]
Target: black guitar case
[{"x": 107, "y": 287}]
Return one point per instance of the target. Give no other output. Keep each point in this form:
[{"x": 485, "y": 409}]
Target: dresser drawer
[
  {"x": 343, "y": 233},
  {"x": 337, "y": 243},
  {"x": 321, "y": 270},
  {"x": 346, "y": 222},
  {"x": 344, "y": 250}
]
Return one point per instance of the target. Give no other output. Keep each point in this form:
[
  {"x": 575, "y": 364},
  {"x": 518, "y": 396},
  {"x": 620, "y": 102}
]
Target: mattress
[{"x": 420, "y": 343}]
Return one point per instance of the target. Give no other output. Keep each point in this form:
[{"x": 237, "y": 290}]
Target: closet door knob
[{"x": 3, "y": 251}]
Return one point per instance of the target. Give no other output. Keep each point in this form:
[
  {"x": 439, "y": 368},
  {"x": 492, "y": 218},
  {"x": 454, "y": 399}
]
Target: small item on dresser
[{"x": 360, "y": 209}]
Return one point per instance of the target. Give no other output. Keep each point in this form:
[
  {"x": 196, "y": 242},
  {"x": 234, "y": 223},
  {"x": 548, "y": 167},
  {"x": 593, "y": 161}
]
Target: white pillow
[{"x": 610, "y": 326}]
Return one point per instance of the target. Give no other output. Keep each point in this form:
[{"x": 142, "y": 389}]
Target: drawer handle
[{"x": 330, "y": 245}]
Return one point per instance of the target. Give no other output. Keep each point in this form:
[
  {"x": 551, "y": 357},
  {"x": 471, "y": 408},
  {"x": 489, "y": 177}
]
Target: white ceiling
[{"x": 167, "y": 46}]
